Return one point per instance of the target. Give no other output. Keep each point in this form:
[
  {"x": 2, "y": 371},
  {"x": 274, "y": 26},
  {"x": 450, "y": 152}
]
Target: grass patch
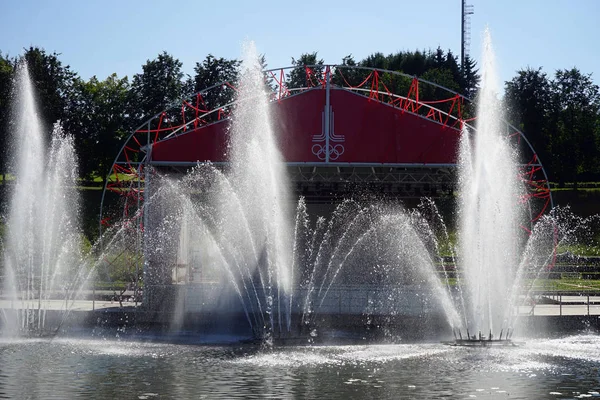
[
  {"x": 110, "y": 285},
  {"x": 5, "y": 178},
  {"x": 567, "y": 285},
  {"x": 579, "y": 189},
  {"x": 580, "y": 250},
  {"x": 573, "y": 285}
]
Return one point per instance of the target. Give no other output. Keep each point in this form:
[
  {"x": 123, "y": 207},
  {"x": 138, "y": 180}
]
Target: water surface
[{"x": 103, "y": 369}]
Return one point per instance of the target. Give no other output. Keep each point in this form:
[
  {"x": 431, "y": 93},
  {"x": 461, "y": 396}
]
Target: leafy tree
[
  {"x": 298, "y": 77},
  {"x": 215, "y": 70},
  {"x": 574, "y": 129},
  {"x": 98, "y": 122},
  {"x": 349, "y": 76},
  {"x": 397, "y": 61},
  {"x": 527, "y": 98},
  {"x": 442, "y": 77},
  {"x": 211, "y": 72},
  {"x": 53, "y": 83},
  {"x": 158, "y": 86}
]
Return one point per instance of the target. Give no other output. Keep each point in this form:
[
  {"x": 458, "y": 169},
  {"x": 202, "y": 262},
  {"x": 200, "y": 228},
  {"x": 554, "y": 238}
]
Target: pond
[{"x": 566, "y": 367}]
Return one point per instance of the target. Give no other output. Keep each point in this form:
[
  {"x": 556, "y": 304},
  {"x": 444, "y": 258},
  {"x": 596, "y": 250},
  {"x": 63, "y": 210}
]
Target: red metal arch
[{"x": 427, "y": 116}]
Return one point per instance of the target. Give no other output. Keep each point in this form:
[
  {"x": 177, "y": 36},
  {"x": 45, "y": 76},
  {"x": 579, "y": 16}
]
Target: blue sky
[{"x": 101, "y": 37}]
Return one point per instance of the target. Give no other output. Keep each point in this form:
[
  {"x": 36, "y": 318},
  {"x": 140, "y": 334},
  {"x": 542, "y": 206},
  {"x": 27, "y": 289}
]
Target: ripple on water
[
  {"x": 584, "y": 347},
  {"x": 339, "y": 355}
]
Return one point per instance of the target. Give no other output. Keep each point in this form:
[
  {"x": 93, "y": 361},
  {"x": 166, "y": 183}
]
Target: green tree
[
  {"x": 158, "y": 86},
  {"x": 375, "y": 60},
  {"x": 574, "y": 129},
  {"x": 439, "y": 58},
  {"x": 270, "y": 85},
  {"x": 349, "y": 76},
  {"x": 53, "y": 83},
  {"x": 6, "y": 77},
  {"x": 98, "y": 122},
  {"x": 413, "y": 63},
  {"x": 211, "y": 72},
  {"x": 298, "y": 77},
  {"x": 469, "y": 78},
  {"x": 442, "y": 77},
  {"x": 527, "y": 98},
  {"x": 451, "y": 64}
]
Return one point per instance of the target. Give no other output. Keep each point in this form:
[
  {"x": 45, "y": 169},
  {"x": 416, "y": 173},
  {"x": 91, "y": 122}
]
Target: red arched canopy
[{"x": 362, "y": 130}]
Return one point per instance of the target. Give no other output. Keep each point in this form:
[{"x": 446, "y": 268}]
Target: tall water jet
[
  {"x": 488, "y": 209},
  {"x": 42, "y": 247},
  {"x": 259, "y": 175},
  {"x": 239, "y": 217}
]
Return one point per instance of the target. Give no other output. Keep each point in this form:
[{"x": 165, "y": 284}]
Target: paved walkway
[
  {"x": 57, "y": 305},
  {"x": 575, "y": 305},
  {"x": 557, "y": 310}
]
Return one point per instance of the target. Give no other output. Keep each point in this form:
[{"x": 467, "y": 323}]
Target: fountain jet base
[{"x": 483, "y": 342}]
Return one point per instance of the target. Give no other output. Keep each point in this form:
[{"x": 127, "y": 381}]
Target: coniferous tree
[
  {"x": 451, "y": 64},
  {"x": 439, "y": 58},
  {"x": 469, "y": 81},
  {"x": 375, "y": 60}
]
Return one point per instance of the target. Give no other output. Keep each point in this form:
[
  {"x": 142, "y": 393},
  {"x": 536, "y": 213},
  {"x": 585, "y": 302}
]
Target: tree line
[{"x": 560, "y": 115}]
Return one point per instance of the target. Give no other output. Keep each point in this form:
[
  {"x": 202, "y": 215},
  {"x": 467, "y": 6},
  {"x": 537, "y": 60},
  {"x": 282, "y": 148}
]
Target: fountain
[
  {"x": 42, "y": 247},
  {"x": 240, "y": 216},
  {"x": 286, "y": 278},
  {"x": 222, "y": 243},
  {"x": 489, "y": 217},
  {"x": 278, "y": 274}
]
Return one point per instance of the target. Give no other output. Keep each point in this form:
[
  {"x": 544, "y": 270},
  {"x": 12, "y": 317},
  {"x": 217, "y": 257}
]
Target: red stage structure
[
  {"x": 388, "y": 129},
  {"x": 341, "y": 129}
]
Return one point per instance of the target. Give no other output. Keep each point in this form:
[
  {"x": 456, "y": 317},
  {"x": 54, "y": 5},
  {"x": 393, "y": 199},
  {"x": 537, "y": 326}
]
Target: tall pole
[
  {"x": 462, "y": 33},
  {"x": 465, "y": 30},
  {"x": 327, "y": 113}
]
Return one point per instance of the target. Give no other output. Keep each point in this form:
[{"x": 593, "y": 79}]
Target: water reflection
[{"x": 66, "y": 368}]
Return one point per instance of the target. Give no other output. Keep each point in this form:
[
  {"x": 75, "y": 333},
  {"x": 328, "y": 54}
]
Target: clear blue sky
[{"x": 101, "y": 37}]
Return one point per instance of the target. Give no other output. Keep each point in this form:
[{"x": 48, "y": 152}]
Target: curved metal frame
[{"x": 140, "y": 140}]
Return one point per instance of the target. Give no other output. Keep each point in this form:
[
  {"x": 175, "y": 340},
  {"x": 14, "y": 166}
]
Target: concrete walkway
[{"x": 58, "y": 305}]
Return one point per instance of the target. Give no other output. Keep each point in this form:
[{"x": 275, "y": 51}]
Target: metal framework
[{"x": 327, "y": 178}]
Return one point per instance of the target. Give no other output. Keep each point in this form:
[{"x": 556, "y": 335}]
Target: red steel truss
[{"x": 442, "y": 112}]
